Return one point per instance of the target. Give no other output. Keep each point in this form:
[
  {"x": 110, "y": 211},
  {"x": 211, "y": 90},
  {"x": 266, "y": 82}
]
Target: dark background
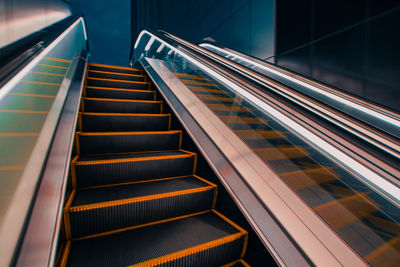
[{"x": 351, "y": 45}]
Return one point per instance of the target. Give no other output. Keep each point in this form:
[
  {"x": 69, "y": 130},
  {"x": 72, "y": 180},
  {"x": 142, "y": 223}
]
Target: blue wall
[
  {"x": 109, "y": 32},
  {"x": 352, "y": 45},
  {"x": 243, "y": 25}
]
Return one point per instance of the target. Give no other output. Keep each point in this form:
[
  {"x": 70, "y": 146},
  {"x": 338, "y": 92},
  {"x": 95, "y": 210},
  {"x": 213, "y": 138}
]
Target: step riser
[
  {"x": 124, "y": 172},
  {"x": 121, "y": 107},
  {"x": 116, "y": 84},
  {"x": 117, "y": 123},
  {"x": 128, "y": 143},
  {"x": 104, "y": 68},
  {"x": 115, "y": 76},
  {"x": 110, "y": 218},
  {"x": 119, "y": 94}
]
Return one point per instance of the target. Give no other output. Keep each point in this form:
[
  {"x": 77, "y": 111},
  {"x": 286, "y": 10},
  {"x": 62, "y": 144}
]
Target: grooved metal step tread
[
  {"x": 207, "y": 239},
  {"x": 119, "y": 89},
  {"x": 115, "y": 69},
  {"x": 101, "y": 159},
  {"x": 97, "y": 122},
  {"x": 120, "y": 100},
  {"x": 117, "y": 76},
  {"x": 141, "y": 190},
  {"x": 124, "y": 168},
  {"x": 124, "y": 142}
]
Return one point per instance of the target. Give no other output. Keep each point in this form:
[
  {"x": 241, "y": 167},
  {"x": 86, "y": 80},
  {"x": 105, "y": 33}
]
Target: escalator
[
  {"x": 184, "y": 159},
  {"x": 136, "y": 198}
]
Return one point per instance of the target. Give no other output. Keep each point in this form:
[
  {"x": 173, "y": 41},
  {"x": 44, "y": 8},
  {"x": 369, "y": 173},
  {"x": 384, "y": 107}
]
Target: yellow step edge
[
  {"x": 46, "y": 73},
  {"x": 121, "y": 100},
  {"x": 189, "y": 251},
  {"x": 135, "y": 182},
  {"x": 125, "y": 114},
  {"x": 134, "y": 152},
  {"x": 115, "y": 80},
  {"x": 124, "y": 160},
  {"x": 117, "y": 73},
  {"x": 140, "y": 226},
  {"x": 126, "y": 201},
  {"x": 119, "y": 89},
  {"x": 128, "y": 133},
  {"x": 113, "y": 67},
  {"x": 199, "y": 248},
  {"x": 55, "y": 84},
  {"x": 52, "y": 66}
]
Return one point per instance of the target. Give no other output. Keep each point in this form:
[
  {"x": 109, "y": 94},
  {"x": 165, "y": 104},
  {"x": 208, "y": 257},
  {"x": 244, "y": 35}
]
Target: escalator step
[
  {"x": 121, "y": 105},
  {"x": 101, "y": 82},
  {"x": 116, "y": 76},
  {"x": 123, "y": 168},
  {"x": 108, "y": 92},
  {"x": 100, "y": 209},
  {"x": 205, "y": 239},
  {"x": 121, "y": 142},
  {"x": 116, "y": 69},
  {"x": 101, "y": 122}
]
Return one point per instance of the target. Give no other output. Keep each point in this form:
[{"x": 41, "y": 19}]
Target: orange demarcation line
[
  {"x": 124, "y": 160},
  {"x": 65, "y": 254},
  {"x": 19, "y": 134},
  {"x": 11, "y": 167},
  {"x": 235, "y": 262},
  {"x": 58, "y": 59},
  {"x": 56, "y": 84},
  {"x": 24, "y": 111},
  {"x": 240, "y": 229},
  {"x": 66, "y": 215},
  {"x": 126, "y": 201},
  {"x": 35, "y": 95},
  {"x": 52, "y": 66},
  {"x": 135, "y": 182},
  {"x": 120, "y": 100},
  {"x": 124, "y": 114},
  {"x": 115, "y": 80},
  {"x": 119, "y": 89},
  {"x": 117, "y": 73},
  {"x": 73, "y": 171},
  {"x": 189, "y": 251},
  {"x": 46, "y": 73},
  {"x": 128, "y": 133},
  {"x": 113, "y": 67},
  {"x": 142, "y": 225}
]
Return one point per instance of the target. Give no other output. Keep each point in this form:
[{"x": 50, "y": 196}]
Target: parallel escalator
[{"x": 135, "y": 198}]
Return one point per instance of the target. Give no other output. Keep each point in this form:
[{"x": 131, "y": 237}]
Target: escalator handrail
[
  {"x": 314, "y": 226},
  {"x": 388, "y": 185},
  {"x": 16, "y": 56},
  {"x": 372, "y": 113},
  {"x": 19, "y": 211},
  {"x": 386, "y": 142}
]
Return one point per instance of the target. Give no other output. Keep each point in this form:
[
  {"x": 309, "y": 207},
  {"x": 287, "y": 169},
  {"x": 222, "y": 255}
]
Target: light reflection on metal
[{"x": 362, "y": 106}]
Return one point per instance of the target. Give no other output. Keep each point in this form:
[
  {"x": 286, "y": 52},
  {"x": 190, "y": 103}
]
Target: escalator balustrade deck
[{"x": 135, "y": 198}]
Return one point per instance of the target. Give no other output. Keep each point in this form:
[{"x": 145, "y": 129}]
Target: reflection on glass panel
[
  {"x": 362, "y": 217},
  {"x": 24, "y": 110}
]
